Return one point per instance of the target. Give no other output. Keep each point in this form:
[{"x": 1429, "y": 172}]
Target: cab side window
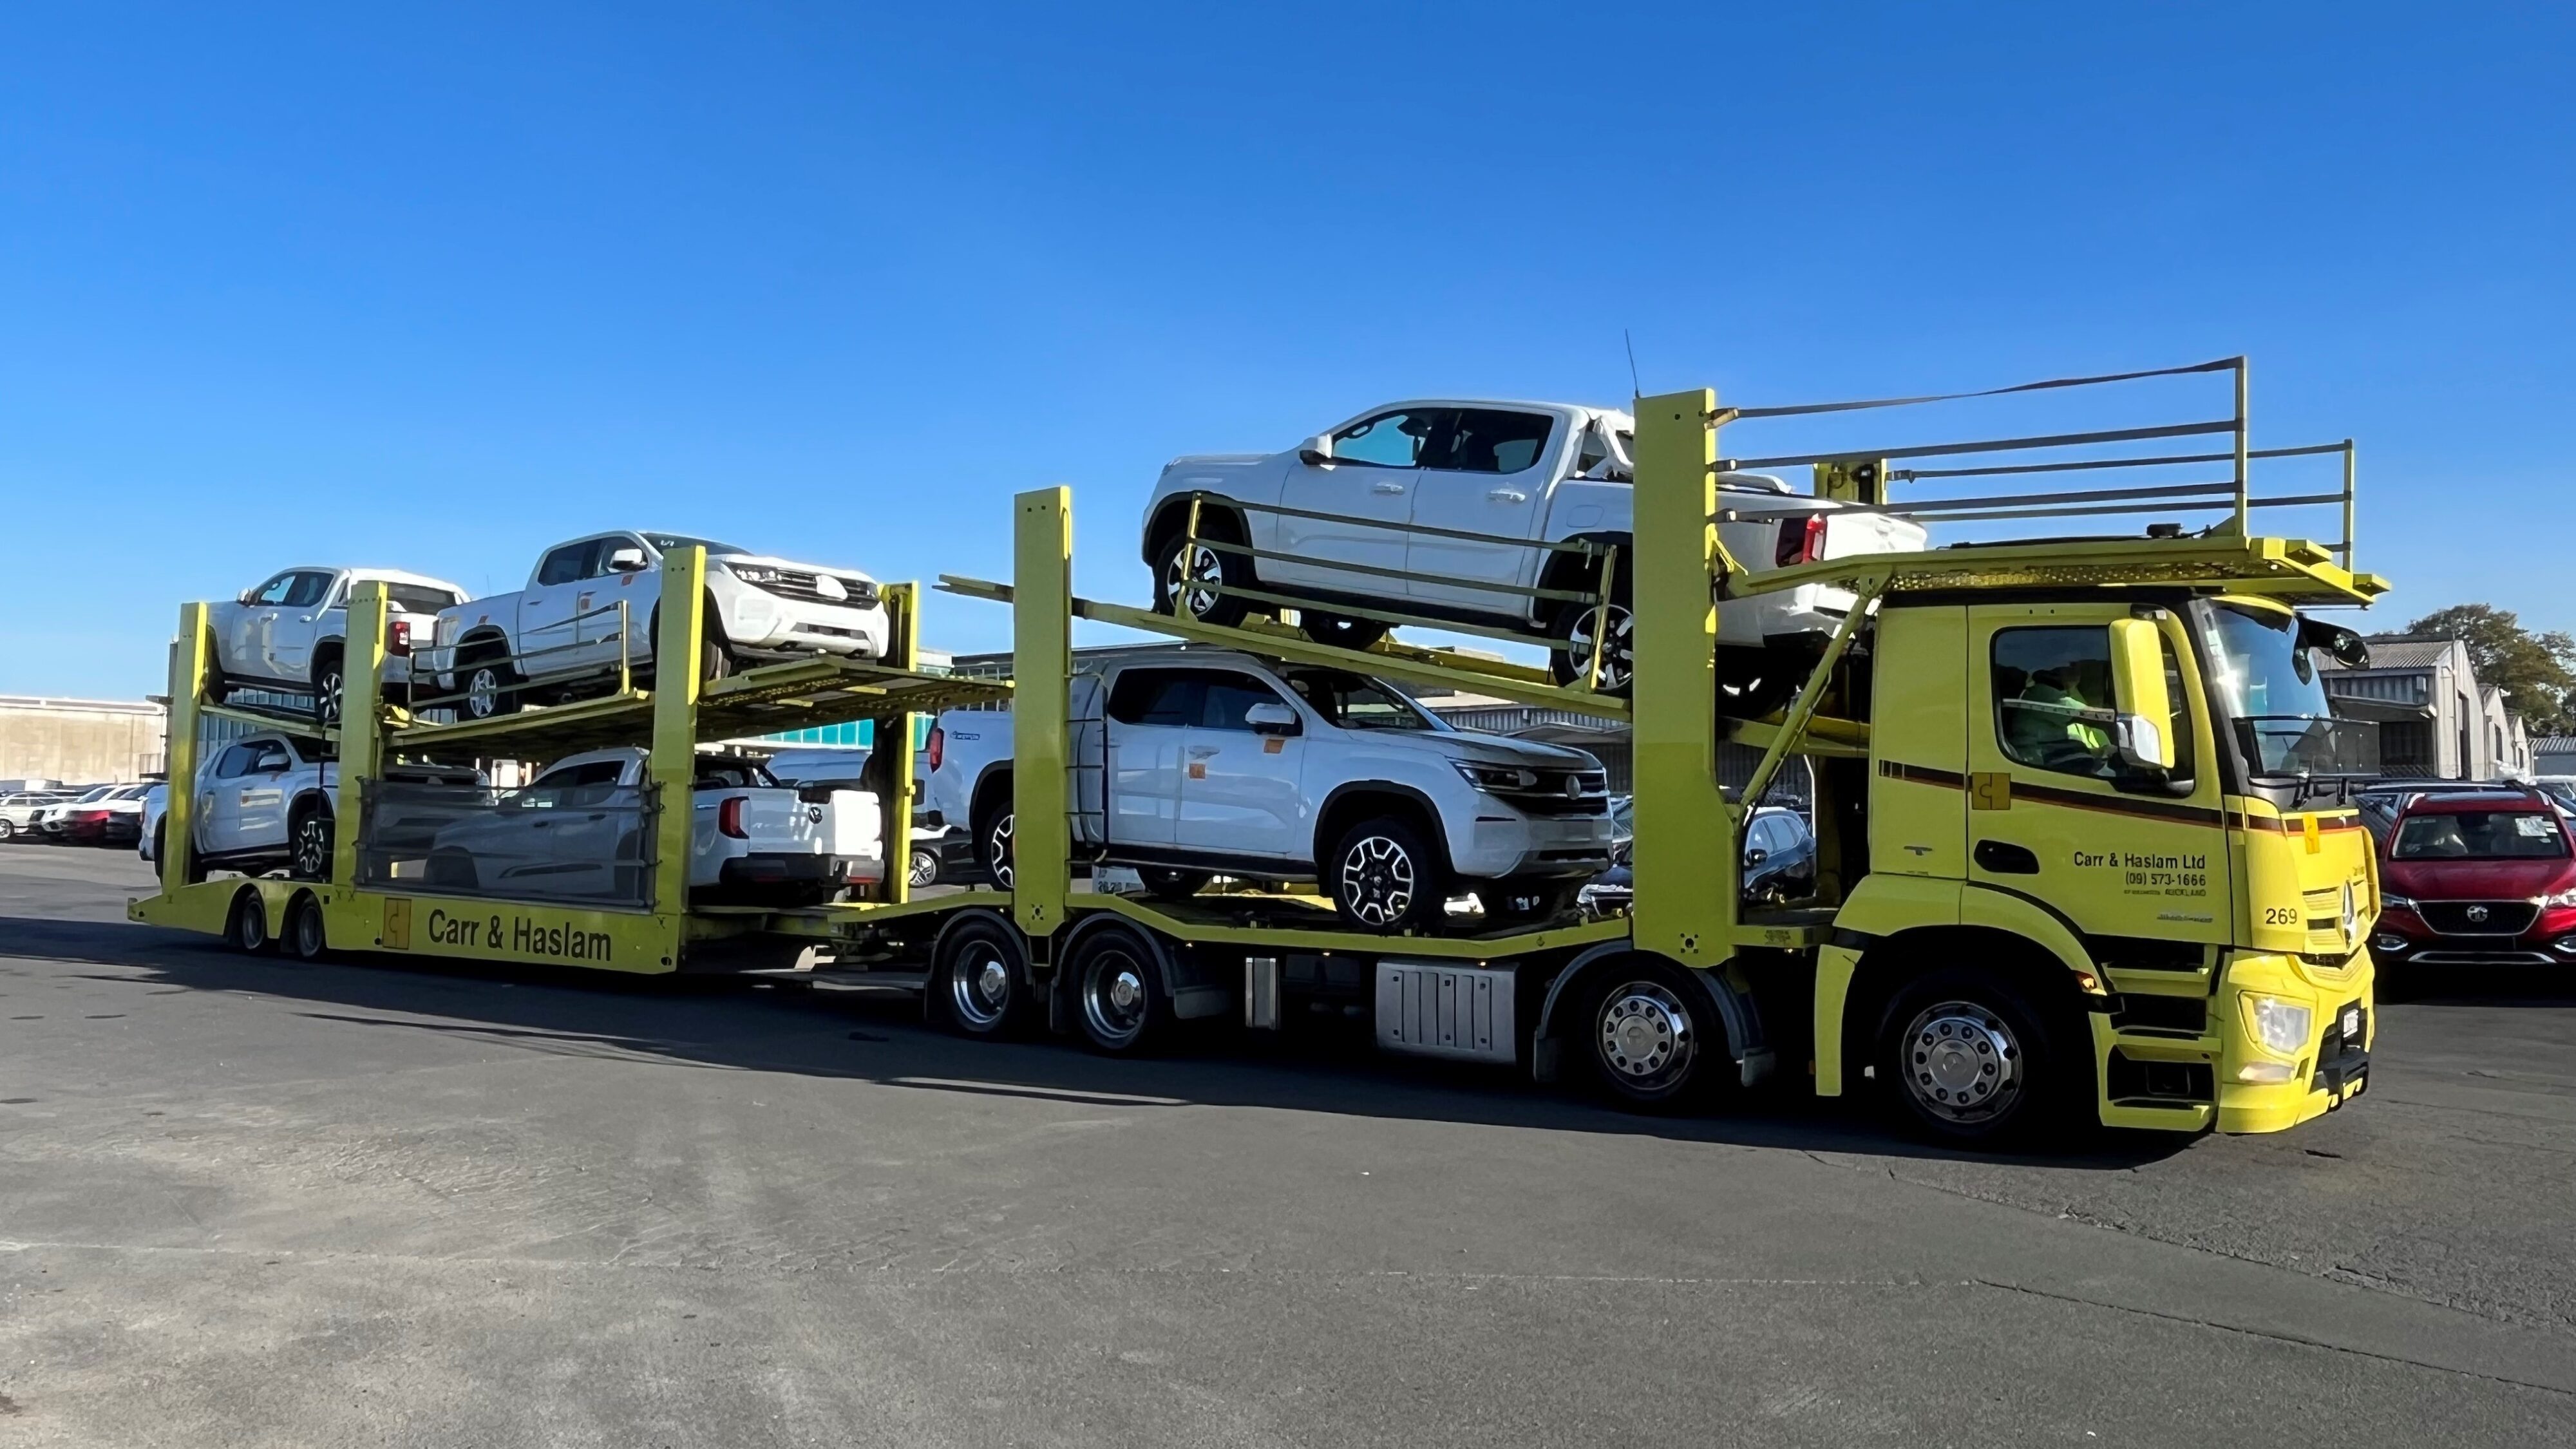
[
  {"x": 567, "y": 564},
  {"x": 1165, "y": 697},
  {"x": 304, "y": 590},
  {"x": 235, "y": 763},
  {"x": 1389, "y": 440},
  {"x": 276, "y": 589},
  {"x": 1488, "y": 440},
  {"x": 2053, "y": 704},
  {"x": 1228, "y": 696}
]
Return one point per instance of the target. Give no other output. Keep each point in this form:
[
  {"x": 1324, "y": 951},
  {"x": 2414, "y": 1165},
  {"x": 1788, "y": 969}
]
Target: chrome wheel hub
[
  {"x": 1377, "y": 880},
  {"x": 483, "y": 693},
  {"x": 979, "y": 987},
  {"x": 1961, "y": 1062},
  {"x": 1645, "y": 1031},
  {"x": 1115, "y": 1000}
]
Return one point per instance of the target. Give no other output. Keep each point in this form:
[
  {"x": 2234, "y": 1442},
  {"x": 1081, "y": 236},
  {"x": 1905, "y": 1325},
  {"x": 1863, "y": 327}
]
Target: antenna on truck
[{"x": 1638, "y": 388}]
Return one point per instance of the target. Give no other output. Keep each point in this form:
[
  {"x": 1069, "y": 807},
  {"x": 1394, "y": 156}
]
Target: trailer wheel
[
  {"x": 1964, "y": 1057},
  {"x": 979, "y": 981},
  {"x": 306, "y": 937},
  {"x": 1119, "y": 988},
  {"x": 246, "y": 930},
  {"x": 1656, "y": 1041}
]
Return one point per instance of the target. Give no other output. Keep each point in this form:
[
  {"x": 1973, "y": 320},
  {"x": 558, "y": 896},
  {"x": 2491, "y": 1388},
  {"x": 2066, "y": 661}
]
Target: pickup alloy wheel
[
  {"x": 996, "y": 849},
  {"x": 923, "y": 869},
  {"x": 1192, "y": 578},
  {"x": 327, "y": 688},
  {"x": 1384, "y": 878},
  {"x": 1574, "y": 658},
  {"x": 487, "y": 690},
  {"x": 310, "y": 850}
]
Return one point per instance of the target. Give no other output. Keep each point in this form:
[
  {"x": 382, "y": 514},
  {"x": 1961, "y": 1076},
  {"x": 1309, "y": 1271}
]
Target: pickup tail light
[
  {"x": 938, "y": 745},
  {"x": 729, "y": 818},
  {"x": 1802, "y": 540},
  {"x": 398, "y": 637}
]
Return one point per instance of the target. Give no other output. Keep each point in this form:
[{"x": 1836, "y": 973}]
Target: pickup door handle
[
  {"x": 1508, "y": 495},
  {"x": 1201, "y": 752},
  {"x": 1386, "y": 488}
]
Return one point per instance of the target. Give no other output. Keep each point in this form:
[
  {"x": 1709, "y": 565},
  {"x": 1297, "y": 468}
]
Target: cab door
[
  {"x": 547, "y": 637},
  {"x": 1364, "y": 496},
  {"x": 2054, "y": 815},
  {"x": 1239, "y": 786},
  {"x": 1485, "y": 473},
  {"x": 297, "y": 626},
  {"x": 1150, "y": 711}
]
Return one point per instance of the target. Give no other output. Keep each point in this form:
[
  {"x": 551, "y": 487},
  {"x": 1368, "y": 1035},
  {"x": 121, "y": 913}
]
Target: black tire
[
  {"x": 1119, "y": 998},
  {"x": 1526, "y": 902},
  {"x": 307, "y": 936},
  {"x": 246, "y": 930},
  {"x": 994, "y": 825},
  {"x": 980, "y": 980},
  {"x": 715, "y": 656},
  {"x": 308, "y": 842},
  {"x": 1568, "y": 661},
  {"x": 452, "y": 869},
  {"x": 1966, "y": 1057},
  {"x": 1169, "y": 884},
  {"x": 1340, "y": 630},
  {"x": 1204, "y": 565},
  {"x": 922, "y": 869},
  {"x": 1654, "y": 1036},
  {"x": 1757, "y": 683},
  {"x": 490, "y": 685},
  {"x": 1386, "y": 875},
  {"x": 329, "y": 684},
  {"x": 9, "y": 832}
]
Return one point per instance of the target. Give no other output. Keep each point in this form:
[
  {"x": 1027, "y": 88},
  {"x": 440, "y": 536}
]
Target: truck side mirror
[
  {"x": 1271, "y": 718},
  {"x": 1317, "y": 451},
  {"x": 2138, "y": 684},
  {"x": 627, "y": 560}
]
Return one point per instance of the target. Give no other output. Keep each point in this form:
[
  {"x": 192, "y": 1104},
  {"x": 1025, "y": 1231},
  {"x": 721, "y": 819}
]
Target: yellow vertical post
[
  {"x": 1686, "y": 860},
  {"x": 1042, "y": 684},
  {"x": 679, "y": 637},
  {"x": 903, "y": 651},
  {"x": 179, "y": 752},
  {"x": 362, "y": 724}
]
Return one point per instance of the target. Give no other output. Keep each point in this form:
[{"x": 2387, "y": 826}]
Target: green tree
[{"x": 2537, "y": 672}]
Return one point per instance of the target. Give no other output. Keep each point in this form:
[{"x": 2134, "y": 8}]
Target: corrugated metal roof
[{"x": 2405, "y": 651}]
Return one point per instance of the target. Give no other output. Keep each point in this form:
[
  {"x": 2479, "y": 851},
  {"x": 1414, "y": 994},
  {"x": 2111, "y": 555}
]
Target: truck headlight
[
  {"x": 1497, "y": 777},
  {"x": 2281, "y": 1026},
  {"x": 755, "y": 573}
]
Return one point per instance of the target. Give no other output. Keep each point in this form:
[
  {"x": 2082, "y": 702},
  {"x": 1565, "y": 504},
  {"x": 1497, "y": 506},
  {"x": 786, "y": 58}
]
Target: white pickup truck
[
  {"x": 562, "y": 632},
  {"x": 1217, "y": 762},
  {"x": 265, "y": 801},
  {"x": 1460, "y": 489},
  {"x": 291, "y": 631},
  {"x": 575, "y": 833}
]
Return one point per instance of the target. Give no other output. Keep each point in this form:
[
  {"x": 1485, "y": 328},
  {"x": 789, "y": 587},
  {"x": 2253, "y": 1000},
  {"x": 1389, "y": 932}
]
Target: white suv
[
  {"x": 562, "y": 631},
  {"x": 291, "y": 631},
  {"x": 1218, "y": 762},
  {"x": 1464, "y": 492}
]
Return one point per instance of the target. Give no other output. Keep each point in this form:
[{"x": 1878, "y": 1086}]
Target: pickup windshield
[
  {"x": 665, "y": 542},
  {"x": 2269, "y": 686},
  {"x": 1357, "y": 702}
]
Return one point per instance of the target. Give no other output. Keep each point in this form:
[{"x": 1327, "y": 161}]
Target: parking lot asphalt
[{"x": 245, "y": 1200}]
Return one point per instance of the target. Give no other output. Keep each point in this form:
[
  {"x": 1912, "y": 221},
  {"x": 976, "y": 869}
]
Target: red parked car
[{"x": 2476, "y": 878}]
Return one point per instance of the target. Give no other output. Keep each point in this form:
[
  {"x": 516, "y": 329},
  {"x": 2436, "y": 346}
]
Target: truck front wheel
[
  {"x": 1385, "y": 876},
  {"x": 1656, "y": 1042},
  {"x": 1966, "y": 1058}
]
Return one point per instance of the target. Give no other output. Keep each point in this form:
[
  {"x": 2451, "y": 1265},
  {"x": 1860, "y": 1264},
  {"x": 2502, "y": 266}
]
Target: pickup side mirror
[
  {"x": 1271, "y": 718},
  {"x": 627, "y": 560},
  {"x": 1753, "y": 858},
  {"x": 1317, "y": 451}
]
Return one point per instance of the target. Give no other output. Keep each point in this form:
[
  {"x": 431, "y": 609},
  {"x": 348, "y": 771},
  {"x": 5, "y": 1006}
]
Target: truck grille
[
  {"x": 1563, "y": 792},
  {"x": 2478, "y": 918},
  {"x": 800, "y": 585}
]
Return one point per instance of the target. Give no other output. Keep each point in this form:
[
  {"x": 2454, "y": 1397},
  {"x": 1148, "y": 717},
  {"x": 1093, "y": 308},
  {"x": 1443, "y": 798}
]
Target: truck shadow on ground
[{"x": 879, "y": 1036}]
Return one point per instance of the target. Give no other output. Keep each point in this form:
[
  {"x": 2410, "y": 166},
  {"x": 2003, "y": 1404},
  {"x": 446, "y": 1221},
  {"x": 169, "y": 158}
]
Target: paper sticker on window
[{"x": 2536, "y": 826}]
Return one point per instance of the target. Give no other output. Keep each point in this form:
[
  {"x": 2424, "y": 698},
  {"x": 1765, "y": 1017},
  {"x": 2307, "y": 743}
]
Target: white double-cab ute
[
  {"x": 1505, "y": 517},
  {"x": 585, "y": 620},
  {"x": 289, "y": 632}
]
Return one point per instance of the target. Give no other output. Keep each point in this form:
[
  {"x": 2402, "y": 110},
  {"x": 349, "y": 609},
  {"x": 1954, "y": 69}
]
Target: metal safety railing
[
  {"x": 2233, "y": 494},
  {"x": 590, "y": 845}
]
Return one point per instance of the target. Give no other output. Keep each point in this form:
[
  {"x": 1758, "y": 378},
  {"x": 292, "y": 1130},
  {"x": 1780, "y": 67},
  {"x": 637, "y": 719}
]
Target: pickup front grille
[
  {"x": 800, "y": 585},
  {"x": 2478, "y": 918},
  {"x": 1563, "y": 792}
]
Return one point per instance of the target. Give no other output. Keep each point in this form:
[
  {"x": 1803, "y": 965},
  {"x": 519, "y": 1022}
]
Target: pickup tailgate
[{"x": 834, "y": 822}]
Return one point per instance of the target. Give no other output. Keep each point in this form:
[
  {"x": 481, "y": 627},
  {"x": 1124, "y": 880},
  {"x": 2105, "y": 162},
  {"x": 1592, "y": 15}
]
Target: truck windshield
[
  {"x": 2480, "y": 835},
  {"x": 1357, "y": 702},
  {"x": 665, "y": 542},
  {"x": 2271, "y": 690}
]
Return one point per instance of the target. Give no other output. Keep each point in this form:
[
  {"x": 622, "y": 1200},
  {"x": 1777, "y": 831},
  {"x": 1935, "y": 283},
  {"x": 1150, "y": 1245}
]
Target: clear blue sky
[{"x": 435, "y": 286}]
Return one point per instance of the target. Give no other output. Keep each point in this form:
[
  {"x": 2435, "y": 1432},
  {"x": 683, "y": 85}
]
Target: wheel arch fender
[
  {"x": 1735, "y": 1011},
  {"x": 1090, "y": 925},
  {"x": 1861, "y": 973},
  {"x": 1171, "y": 513},
  {"x": 1338, "y": 809}
]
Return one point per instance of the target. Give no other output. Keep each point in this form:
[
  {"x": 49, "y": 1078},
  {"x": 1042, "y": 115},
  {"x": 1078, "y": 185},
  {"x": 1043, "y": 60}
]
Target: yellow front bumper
[{"x": 2328, "y": 1070}]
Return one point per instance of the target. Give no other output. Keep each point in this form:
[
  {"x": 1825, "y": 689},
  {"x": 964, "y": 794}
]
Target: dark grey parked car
[{"x": 1779, "y": 865}]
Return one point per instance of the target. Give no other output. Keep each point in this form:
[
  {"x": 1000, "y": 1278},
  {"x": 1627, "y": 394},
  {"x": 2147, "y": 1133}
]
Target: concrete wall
[{"x": 82, "y": 741}]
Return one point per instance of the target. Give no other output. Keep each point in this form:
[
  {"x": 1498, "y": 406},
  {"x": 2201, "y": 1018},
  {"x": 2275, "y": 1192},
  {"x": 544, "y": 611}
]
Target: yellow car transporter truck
[{"x": 2083, "y": 851}]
